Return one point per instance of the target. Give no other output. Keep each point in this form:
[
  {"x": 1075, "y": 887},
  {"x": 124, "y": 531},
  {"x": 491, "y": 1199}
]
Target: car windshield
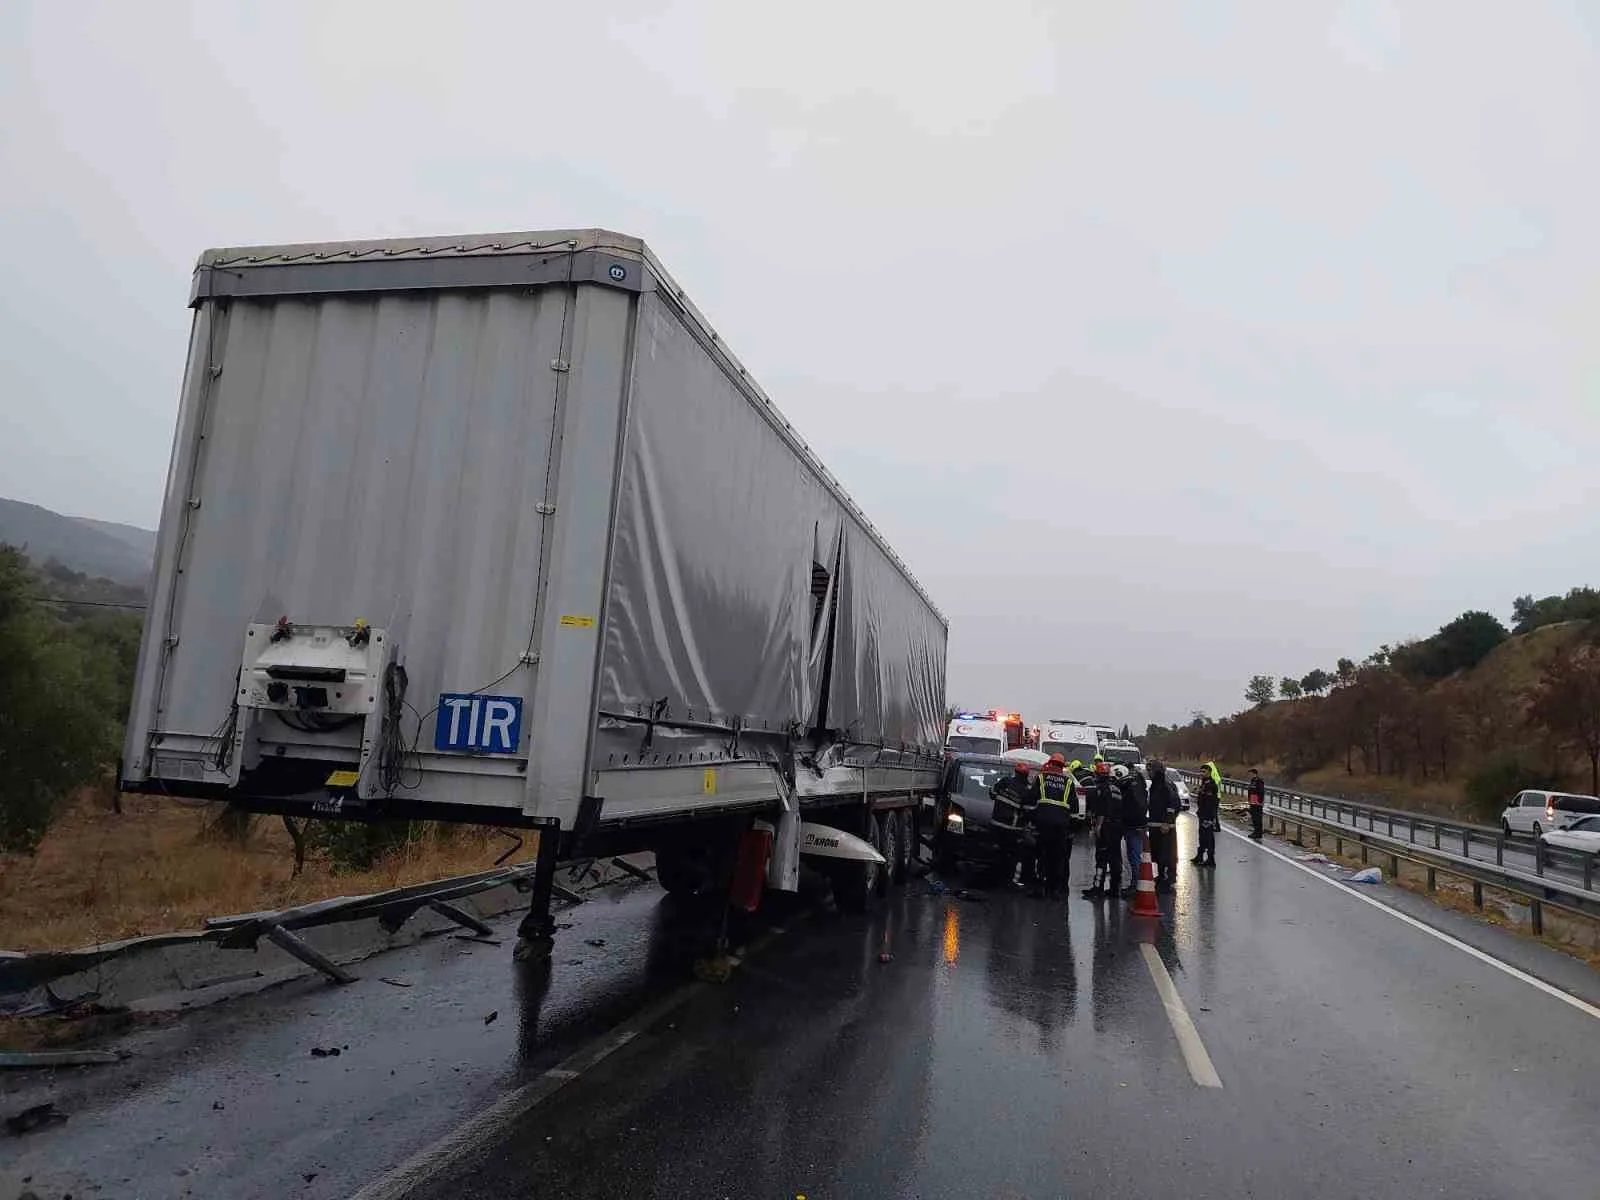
[
  {"x": 975, "y": 779},
  {"x": 1587, "y": 825},
  {"x": 1127, "y": 755},
  {"x": 962, "y": 744},
  {"x": 1071, "y": 751}
]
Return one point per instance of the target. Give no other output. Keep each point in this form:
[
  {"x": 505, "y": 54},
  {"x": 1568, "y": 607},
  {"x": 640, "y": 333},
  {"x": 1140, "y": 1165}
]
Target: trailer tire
[
  {"x": 855, "y": 885},
  {"x": 906, "y": 848},
  {"x": 681, "y": 874},
  {"x": 886, "y": 837}
]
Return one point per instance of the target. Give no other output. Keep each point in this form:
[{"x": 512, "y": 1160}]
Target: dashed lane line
[
  {"x": 1194, "y": 1050},
  {"x": 1532, "y": 981}
]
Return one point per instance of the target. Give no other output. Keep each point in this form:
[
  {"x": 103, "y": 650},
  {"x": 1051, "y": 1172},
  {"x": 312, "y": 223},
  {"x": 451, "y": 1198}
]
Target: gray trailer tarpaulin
[{"x": 735, "y": 561}]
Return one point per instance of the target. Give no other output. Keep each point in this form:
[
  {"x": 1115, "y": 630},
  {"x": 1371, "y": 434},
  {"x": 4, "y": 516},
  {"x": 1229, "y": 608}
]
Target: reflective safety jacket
[
  {"x": 1014, "y": 800},
  {"x": 1056, "y": 798}
]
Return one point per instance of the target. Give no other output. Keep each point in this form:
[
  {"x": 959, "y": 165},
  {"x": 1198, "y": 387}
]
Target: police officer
[
  {"x": 1015, "y": 798},
  {"x": 1208, "y": 807},
  {"x": 1105, "y": 816},
  {"x": 1163, "y": 827},
  {"x": 1052, "y": 821}
]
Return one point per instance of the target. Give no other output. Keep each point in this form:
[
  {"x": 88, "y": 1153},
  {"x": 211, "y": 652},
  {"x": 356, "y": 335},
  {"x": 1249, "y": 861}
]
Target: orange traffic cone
[{"x": 1144, "y": 895}]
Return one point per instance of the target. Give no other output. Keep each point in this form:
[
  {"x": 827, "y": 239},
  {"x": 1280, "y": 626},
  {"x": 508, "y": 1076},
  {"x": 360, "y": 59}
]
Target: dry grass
[
  {"x": 1442, "y": 798},
  {"x": 99, "y": 877}
]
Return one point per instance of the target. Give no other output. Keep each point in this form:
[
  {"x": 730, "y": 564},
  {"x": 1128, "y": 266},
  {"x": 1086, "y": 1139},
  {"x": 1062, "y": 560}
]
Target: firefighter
[
  {"x": 1015, "y": 798},
  {"x": 1163, "y": 827},
  {"x": 1052, "y": 822},
  {"x": 1209, "y": 809},
  {"x": 1105, "y": 815}
]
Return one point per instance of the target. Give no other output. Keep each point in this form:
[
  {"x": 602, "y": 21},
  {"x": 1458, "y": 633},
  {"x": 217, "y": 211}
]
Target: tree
[
  {"x": 1126, "y": 734},
  {"x": 1346, "y": 672},
  {"x": 1566, "y": 702},
  {"x": 1458, "y": 646},
  {"x": 1317, "y": 682},
  {"x": 1579, "y": 604},
  {"x": 1290, "y": 689},
  {"x": 52, "y": 737},
  {"x": 1259, "y": 690}
]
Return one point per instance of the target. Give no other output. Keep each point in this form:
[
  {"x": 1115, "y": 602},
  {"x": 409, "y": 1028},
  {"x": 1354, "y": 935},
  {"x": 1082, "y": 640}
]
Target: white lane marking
[
  {"x": 484, "y": 1129},
  {"x": 1533, "y": 981},
  {"x": 1194, "y": 1050},
  {"x": 481, "y": 1131}
]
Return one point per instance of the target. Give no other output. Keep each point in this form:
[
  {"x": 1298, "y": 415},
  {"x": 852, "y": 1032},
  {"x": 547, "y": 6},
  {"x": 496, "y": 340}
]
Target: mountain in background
[{"x": 122, "y": 553}]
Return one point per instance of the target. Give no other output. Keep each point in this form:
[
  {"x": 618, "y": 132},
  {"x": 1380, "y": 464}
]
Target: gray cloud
[{"x": 1166, "y": 345}]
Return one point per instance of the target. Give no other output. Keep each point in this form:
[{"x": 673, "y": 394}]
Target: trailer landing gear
[{"x": 536, "y": 934}]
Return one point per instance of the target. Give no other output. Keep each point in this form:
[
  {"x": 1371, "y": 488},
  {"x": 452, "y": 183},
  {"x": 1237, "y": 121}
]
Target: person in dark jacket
[
  {"x": 1258, "y": 800},
  {"x": 1135, "y": 815},
  {"x": 1052, "y": 822},
  {"x": 1163, "y": 827},
  {"x": 1105, "y": 816},
  {"x": 1014, "y": 798},
  {"x": 1209, "y": 809}
]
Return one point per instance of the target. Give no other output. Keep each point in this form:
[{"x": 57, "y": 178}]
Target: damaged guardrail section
[{"x": 325, "y": 935}]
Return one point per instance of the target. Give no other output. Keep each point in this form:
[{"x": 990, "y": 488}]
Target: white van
[{"x": 1538, "y": 812}]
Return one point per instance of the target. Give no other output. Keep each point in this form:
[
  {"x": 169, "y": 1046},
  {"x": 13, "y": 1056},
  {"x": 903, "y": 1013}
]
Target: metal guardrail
[{"x": 1395, "y": 832}]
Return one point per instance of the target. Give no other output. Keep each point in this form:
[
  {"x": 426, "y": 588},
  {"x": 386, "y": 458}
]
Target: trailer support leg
[{"x": 536, "y": 936}]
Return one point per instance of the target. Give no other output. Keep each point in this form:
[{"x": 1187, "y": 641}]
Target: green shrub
[
  {"x": 1491, "y": 787},
  {"x": 359, "y": 845}
]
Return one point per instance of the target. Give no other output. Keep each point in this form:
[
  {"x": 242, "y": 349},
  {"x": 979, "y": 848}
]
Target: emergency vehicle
[{"x": 992, "y": 732}]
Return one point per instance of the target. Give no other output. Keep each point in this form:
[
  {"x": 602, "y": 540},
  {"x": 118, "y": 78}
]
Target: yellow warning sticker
[
  {"x": 572, "y": 622},
  {"x": 709, "y": 783},
  {"x": 343, "y": 779}
]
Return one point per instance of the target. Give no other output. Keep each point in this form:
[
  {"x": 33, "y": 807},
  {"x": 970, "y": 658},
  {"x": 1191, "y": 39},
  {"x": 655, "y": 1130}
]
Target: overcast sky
[{"x": 1167, "y": 342}]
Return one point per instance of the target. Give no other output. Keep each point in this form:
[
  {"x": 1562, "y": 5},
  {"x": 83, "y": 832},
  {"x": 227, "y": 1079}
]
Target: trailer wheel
[
  {"x": 856, "y": 885},
  {"x": 886, "y": 837},
  {"x": 907, "y": 848}
]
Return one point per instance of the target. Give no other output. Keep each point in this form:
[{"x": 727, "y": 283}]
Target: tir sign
[{"x": 478, "y": 724}]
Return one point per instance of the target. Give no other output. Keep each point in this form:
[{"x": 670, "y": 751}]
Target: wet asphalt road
[
  {"x": 1015, "y": 1048},
  {"x": 1011, "y": 1048}
]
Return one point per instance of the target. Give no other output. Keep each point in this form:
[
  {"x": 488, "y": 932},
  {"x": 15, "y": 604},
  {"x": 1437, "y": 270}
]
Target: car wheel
[
  {"x": 886, "y": 837},
  {"x": 1537, "y": 832},
  {"x": 1506, "y": 826}
]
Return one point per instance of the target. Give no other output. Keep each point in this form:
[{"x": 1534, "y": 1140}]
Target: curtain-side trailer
[{"x": 495, "y": 529}]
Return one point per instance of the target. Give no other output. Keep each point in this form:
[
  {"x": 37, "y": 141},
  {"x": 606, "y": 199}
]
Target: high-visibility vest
[
  {"x": 1216, "y": 776},
  {"x": 1055, "y": 788}
]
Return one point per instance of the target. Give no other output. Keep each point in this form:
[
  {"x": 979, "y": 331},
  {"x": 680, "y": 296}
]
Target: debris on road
[
  {"x": 325, "y": 1052},
  {"x": 400, "y": 983},
  {"x": 492, "y": 1017},
  {"x": 1370, "y": 875},
  {"x": 40, "y": 1116},
  {"x": 594, "y": 941},
  {"x": 1313, "y": 858}
]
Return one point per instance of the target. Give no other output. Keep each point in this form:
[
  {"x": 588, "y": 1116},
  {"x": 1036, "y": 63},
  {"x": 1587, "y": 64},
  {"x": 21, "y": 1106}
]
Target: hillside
[
  {"x": 1518, "y": 710},
  {"x": 121, "y": 553}
]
